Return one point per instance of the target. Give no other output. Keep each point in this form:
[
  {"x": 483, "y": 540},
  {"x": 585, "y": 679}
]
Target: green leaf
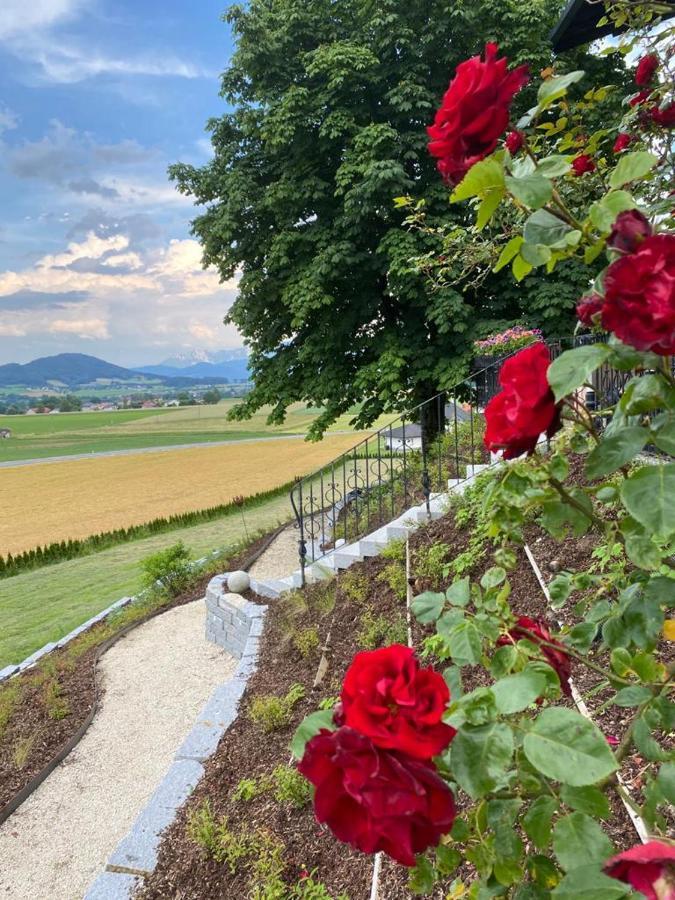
[
  {"x": 480, "y": 756},
  {"x": 645, "y": 393},
  {"x": 554, "y": 166},
  {"x": 567, "y": 747},
  {"x": 447, "y": 859},
  {"x": 578, "y": 841},
  {"x": 487, "y": 208},
  {"x": 616, "y": 451},
  {"x": 631, "y": 167},
  {"x": 537, "y": 821},
  {"x": 503, "y": 660},
  {"x": 588, "y": 800},
  {"x": 453, "y": 679},
  {"x": 574, "y": 367},
  {"x": 508, "y": 252},
  {"x": 485, "y": 177},
  {"x": 589, "y": 883},
  {"x": 492, "y": 578},
  {"x": 310, "y": 727},
  {"x": 648, "y": 497},
  {"x": 465, "y": 643},
  {"x": 427, "y": 607},
  {"x": 543, "y": 227},
  {"x": 535, "y": 254},
  {"x": 459, "y": 592},
  {"x": 520, "y": 268},
  {"x": 603, "y": 212},
  {"x": 633, "y": 695},
  {"x": 422, "y": 878},
  {"x": 554, "y": 88},
  {"x": 532, "y": 190},
  {"x": 516, "y": 692},
  {"x": 664, "y": 436}
]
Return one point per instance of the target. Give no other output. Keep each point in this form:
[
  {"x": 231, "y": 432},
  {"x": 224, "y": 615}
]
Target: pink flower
[
  {"x": 648, "y": 868},
  {"x": 612, "y": 741}
]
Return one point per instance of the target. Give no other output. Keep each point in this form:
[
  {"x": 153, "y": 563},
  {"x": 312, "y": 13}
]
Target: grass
[
  {"x": 78, "y": 498},
  {"x": 44, "y": 436},
  {"x": 43, "y": 605}
]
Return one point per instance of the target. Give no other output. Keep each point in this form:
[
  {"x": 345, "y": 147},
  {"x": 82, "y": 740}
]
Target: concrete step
[
  {"x": 371, "y": 546},
  {"x": 346, "y": 556},
  {"x": 472, "y": 471}
]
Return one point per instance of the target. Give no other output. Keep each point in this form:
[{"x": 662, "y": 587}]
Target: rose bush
[{"x": 537, "y": 778}]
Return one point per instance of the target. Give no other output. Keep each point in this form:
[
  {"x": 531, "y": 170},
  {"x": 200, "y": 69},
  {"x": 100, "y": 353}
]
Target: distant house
[
  {"x": 172, "y": 403},
  {"x": 5, "y": 433},
  {"x": 149, "y": 404},
  {"x": 54, "y": 412},
  {"x": 410, "y": 434},
  {"x": 31, "y": 412}
]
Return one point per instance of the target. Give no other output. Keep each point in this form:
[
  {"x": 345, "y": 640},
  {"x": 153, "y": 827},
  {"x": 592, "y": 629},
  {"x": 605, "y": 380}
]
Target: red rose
[
  {"x": 630, "y": 229},
  {"x": 375, "y": 799},
  {"x": 519, "y": 414},
  {"x": 474, "y": 112},
  {"x": 639, "y": 305},
  {"x": 588, "y": 307},
  {"x": 397, "y": 704},
  {"x": 583, "y": 164},
  {"x": 665, "y": 117},
  {"x": 531, "y": 630},
  {"x": 514, "y": 141},
  {"x": 639, "y": 98},
  {"x": 622, "y": 141},
  {"x": 646, "y": 69},
  {"x": 648, "y": 868}
]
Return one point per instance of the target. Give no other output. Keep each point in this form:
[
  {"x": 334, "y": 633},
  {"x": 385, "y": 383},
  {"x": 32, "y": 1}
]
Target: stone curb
[{"x": 136, "y": 854}]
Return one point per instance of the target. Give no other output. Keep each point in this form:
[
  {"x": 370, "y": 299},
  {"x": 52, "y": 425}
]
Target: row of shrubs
[{"x": 75, "y": 548}]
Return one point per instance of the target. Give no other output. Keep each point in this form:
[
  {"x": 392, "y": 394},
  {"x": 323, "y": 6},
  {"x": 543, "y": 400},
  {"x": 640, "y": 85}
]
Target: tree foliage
[{"x": 329, "y": 104}]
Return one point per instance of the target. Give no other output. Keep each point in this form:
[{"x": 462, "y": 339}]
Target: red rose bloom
[
  {"x": 639, "y": 98},
  {"x": 474, "y": 112},
  {"x": 646, "y": 69},
  {"x": 588, "y": 307},
  {"x": 664, "y": 117},
  {"x": 648, "y": 868},
  {"x": 629, "y": 230},
  {"x": 374, "y": 799},
  {"x": 514, "y": 141},
  {"x": 639, "y": 305},
  {"x": 583, "y": 164},
  {"x": 397, "y": 704},
  {"x": 622, "y": 141},
  {"x": 531, "y": 630},
  {"x": 525, "y": 408}
]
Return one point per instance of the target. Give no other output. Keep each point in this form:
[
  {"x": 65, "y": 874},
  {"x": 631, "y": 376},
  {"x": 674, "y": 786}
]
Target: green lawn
[
  {"x": 66, "y": 434},
  {"x": 42, "y": 606}
]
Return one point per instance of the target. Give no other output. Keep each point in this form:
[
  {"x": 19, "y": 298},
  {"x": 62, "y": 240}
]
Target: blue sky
[{"x": 97, "y": 97}]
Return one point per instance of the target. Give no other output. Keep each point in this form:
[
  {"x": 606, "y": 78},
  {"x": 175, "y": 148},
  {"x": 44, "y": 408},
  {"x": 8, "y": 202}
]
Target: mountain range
[
  {"x": 76, "y": 369},
  {"x": 230, "y": 364}
]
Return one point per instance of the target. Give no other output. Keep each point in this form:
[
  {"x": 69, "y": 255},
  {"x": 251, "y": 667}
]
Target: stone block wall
[{"x": 230, "y": 619}]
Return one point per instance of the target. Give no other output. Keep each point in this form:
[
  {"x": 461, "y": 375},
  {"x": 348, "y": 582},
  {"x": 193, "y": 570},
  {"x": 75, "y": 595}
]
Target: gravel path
[
  {"x": 156, "y": 680},
  {"x": 281, "y": 557}
]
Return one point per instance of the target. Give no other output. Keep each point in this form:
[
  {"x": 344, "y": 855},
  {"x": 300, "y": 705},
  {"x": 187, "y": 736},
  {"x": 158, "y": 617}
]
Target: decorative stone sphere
[{"x": 238, "y": 582}]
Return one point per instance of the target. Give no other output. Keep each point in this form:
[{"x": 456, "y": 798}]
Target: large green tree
[{"x": 328, "y": 104}]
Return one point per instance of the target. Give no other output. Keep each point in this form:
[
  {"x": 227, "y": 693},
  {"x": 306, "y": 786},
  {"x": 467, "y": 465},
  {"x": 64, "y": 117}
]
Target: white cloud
[
  {"x": 87, "y": 329},
  {"x": 11, "y": 329},
  {"x": 19, "y": 16},
  {"x": 8, "y": 119},
  {"x": 92, "y": 248}
]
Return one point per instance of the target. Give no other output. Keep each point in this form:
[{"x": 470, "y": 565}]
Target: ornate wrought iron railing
[{"x": 410, "y": 459}]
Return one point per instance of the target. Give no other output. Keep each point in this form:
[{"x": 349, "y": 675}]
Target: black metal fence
[{"x": 412, "y": 458}]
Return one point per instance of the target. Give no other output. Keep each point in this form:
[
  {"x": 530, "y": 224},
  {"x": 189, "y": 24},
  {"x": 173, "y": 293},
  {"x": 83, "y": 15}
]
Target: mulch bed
[{"x": 41, "y": 724}]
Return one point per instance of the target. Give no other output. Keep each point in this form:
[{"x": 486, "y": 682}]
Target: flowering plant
[
  {"x": 534, "y": 776},
  {"x": 507, "y": 341}
]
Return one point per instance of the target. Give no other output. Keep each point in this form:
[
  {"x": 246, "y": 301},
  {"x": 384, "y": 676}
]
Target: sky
[{"x": 97, "y": 98}]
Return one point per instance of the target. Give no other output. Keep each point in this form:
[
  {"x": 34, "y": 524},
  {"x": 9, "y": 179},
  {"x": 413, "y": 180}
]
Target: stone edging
[{"x": 136, "y": 854}]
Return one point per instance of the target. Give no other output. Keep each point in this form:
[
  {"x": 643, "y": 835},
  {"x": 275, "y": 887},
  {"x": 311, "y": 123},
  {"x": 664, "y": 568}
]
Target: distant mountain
[
  {"x": 70, "y": 369},
  {"x": 230, "y": 364},
  {"x": 76, "y": 369}
]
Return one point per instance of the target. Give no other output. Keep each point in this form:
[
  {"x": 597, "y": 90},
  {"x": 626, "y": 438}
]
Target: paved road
[{"x": 97, "y": 455}]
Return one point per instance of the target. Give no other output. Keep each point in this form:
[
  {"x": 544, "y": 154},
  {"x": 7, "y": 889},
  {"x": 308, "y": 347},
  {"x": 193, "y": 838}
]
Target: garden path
[
  {"x": 280, "y": 558},
  {"x": 155, "y": 680}
]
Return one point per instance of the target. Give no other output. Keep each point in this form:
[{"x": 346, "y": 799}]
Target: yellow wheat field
[{"x": 56, "y": 501}]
